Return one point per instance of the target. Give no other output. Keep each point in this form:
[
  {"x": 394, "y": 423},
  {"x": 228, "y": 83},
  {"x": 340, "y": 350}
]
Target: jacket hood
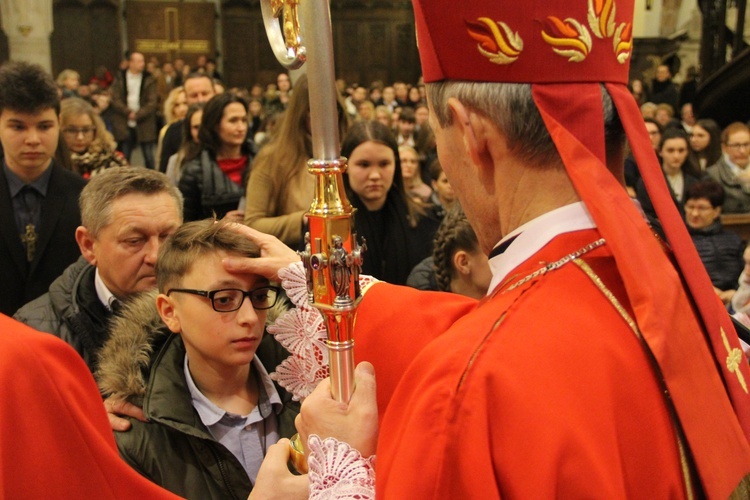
[
  {"x": 135, "y": 334},
  {"x": 125, "y": 359}
]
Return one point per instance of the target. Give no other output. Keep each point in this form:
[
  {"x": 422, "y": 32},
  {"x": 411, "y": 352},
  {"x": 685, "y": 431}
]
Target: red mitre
[
  {"x": 529, "y": 42},
  {"x": 567, "y": 49}
]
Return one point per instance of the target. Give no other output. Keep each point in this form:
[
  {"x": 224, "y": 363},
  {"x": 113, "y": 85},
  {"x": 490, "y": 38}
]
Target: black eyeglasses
[{"x": 231, "y": 299}]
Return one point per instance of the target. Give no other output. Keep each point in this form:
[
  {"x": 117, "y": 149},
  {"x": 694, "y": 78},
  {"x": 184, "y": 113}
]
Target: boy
[
  {"x": 38, "y": 209},
  {"x": 213, "y": 409}
]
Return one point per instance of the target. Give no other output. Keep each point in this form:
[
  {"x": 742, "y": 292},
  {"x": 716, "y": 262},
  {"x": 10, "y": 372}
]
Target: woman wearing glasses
[
  {"x": 86, "y": 140},
  {"x": 732, "y": 171}
]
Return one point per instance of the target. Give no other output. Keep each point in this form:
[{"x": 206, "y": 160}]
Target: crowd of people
[
  {"x": 144, "y": 272},
  {"x": 697, "y": 152}
]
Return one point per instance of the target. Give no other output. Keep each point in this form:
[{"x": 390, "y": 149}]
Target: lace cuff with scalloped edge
[
  {"x": 339, "y": 471},
  {"x": 302, "y": 332}
]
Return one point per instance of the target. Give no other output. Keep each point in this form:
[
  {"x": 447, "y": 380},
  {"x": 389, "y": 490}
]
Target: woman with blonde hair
[
  {"x": 89, "y": 143},
  {"x": 280, "y": 188},
  {"x": 175, "y": 108}
]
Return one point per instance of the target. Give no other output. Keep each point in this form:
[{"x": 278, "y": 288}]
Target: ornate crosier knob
[{"x": 282, "y": 27}]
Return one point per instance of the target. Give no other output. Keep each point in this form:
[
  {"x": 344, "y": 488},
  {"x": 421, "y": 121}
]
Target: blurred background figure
[
  {"x": 731, "y": 170},
  {"x": 678, "y": 171},
  {"x": 175, "y": 107},
  {"x": 69, "y": 80},
  {"x": 705, "y": 143},
  {"x": 443, "y": 195},
  {"x": 415, "y": 187},
  {"x": 90, "y": 146},
  {"x": 720, "y": 250},
  {"x": 191, "y": 145},
  {"x": 213, "y": 181},
  {"x": 280, "y": 188}
]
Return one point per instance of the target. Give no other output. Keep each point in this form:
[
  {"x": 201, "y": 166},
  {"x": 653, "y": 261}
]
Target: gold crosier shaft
[{"x": 332, "y": 257}]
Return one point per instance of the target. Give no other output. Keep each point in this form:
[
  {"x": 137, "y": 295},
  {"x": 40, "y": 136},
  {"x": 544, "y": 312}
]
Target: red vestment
[
  {"x": 55, "y": 439},
  {"x": 543, "y": 390}
]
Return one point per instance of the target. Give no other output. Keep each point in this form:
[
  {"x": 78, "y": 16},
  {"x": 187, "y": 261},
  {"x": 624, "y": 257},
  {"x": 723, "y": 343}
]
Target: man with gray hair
[{"x": 126, "y": 213}]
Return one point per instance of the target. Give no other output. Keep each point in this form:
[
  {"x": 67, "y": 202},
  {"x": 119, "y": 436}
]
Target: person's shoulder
[
  {"x": 39, "y": 314},
  {"x": 176, "y": 125}
]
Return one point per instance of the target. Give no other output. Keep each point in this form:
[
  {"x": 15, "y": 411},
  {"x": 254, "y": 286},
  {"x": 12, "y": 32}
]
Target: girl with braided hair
[
  {"x": 457, "y": 264},
  {"x": 460, "y": 266}
]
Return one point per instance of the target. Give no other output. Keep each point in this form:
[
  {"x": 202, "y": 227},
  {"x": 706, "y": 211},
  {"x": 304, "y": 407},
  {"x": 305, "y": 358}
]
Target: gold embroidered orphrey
[{"x": 734, "y": 358}]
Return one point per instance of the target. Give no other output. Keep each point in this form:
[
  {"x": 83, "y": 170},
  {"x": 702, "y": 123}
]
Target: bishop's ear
[{"x": 474, "y": 128}]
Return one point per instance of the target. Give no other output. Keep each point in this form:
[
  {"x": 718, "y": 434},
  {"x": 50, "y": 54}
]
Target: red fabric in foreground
[
  {"x": 540, "y": 392},
  {"x": 662, "y": 307},
  {"x": 55, "y": 438}
]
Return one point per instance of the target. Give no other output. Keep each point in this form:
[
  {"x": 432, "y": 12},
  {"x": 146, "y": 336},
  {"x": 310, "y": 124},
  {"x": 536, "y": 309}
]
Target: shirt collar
[
  {"x": 210, "y": 414},
  {"x": 15, "y": 183},
  {"x": 105, "y": 296},
  {"x": 534, "y": 235}
]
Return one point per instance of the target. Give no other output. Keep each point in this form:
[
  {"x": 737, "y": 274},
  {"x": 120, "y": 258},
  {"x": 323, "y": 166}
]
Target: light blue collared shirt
[{"x": 246, "y": 436}]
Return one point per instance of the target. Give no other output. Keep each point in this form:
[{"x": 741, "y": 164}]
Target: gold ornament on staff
[{"x": 332, "y": 257}]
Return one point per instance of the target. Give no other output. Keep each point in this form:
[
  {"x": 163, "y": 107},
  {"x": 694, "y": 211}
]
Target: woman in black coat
[
  {"x": 212, "y": 181},
  {"x": 398, "y": 233}
]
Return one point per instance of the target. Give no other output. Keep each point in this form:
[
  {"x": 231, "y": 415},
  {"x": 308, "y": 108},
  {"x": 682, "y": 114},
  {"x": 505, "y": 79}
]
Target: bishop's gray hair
[{"x": 511, "y": 107}]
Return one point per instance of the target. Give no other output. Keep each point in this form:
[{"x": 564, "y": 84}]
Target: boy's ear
[{"x": 167, "y": 310}]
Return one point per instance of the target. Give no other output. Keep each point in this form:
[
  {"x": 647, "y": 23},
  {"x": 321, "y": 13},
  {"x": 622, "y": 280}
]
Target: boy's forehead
[
  {"x": 43, "y": 114},
  {"x": 207, "y": 269}
]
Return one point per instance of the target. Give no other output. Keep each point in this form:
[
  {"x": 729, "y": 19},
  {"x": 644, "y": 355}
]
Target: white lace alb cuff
[{"x": 339, "y": 471}]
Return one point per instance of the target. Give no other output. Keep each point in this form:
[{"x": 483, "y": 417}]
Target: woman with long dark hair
[
  {"x": 399, "y": 234},
  {"x": 679, "y": 171},
  {"x": 705, "y": 143},
  {"x": 212, "y": 181}
]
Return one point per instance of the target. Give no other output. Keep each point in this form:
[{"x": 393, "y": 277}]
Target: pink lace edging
[{"x": 339, "y": 471}]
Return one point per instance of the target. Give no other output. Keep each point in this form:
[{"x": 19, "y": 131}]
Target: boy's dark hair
[
  {"x": 708, "y": 189},
  {"x": 27, "y": 88},
  {"x": 192, "y": 241}
]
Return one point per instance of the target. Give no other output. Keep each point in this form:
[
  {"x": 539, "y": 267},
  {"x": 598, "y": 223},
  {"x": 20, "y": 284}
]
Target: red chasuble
[
  {"x": 55, "y": 439},
  {"x": 544, "y": 390}
]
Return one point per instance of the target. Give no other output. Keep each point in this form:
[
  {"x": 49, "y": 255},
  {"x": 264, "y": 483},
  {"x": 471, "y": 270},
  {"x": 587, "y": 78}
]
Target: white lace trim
[
  {"x": 302, "y": 332},
  {"x": 339, "y": 471}
]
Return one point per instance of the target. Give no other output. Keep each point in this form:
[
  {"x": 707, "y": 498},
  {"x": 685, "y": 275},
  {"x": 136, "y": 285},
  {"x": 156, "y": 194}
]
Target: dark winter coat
[
  {"x": 143, "y": 363},
  {"x": 207, "y": 190},
  {"x": 72, "y": 311},
  {"x": 721, "y": 253}
]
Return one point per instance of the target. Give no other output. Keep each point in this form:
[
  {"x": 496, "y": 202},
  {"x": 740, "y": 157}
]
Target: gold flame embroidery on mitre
[
  {"x": 497, "y": 42},
  {"x": 568, "y": 38}
]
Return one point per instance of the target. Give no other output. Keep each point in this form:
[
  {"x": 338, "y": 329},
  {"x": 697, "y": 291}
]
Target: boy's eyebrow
[{"x": 228, "y": 283}]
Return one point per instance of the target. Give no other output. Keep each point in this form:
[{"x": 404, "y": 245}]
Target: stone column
[{"x": 28, "y": 26}]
